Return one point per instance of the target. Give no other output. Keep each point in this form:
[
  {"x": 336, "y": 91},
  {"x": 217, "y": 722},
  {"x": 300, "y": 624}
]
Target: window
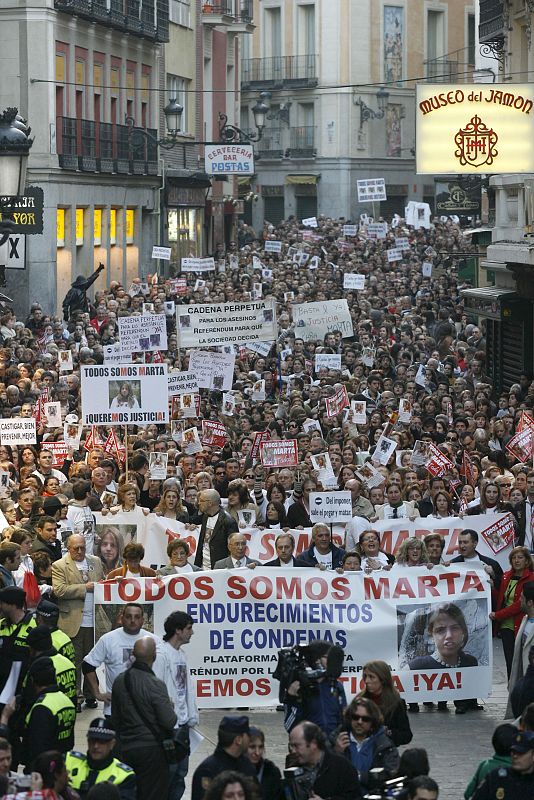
[
  {"x": 97, "y": 227},
  {"x": 60, "y": 227},
  {"x": 113, "y": 226},
  {"x": 273, "y": 32},
  {"x": 471, "y": 39},
  {"x": 130, "y": 225},
  {"x": 435, "y": 34},
  {"x": 306, "y": 30},
  {"x": 180, "y": 12},
  {"x": 79, "y": 226},
  {"x": 177, "y": 88}
]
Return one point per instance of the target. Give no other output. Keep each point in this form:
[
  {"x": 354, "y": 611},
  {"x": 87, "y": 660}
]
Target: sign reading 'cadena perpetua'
[{"x": 475, "y": 129}]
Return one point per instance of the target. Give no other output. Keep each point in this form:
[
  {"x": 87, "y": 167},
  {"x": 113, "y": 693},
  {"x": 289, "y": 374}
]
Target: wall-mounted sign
[
  {"x": 229, "y": 158},
  {"x": 474, "y": 129},
  {"x": 25, "y": 212}
]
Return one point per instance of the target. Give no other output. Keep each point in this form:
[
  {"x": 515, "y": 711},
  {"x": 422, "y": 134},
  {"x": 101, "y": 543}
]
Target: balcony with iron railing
[
  {"x": 287, "y": 143},
  {"x": 302, "y": 142},
  {"x": 279, "y": 72},
  {"x": 145, "y": 18},
  {"x": 492, "y": 24},
  {"x": 102, "y": 147},
  {"x": 235, "y": 14},
  {"x": 455, "y": 67},
  {"x": 270, "y": 147}
]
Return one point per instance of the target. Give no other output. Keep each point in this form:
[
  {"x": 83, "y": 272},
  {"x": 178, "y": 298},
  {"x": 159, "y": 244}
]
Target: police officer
[
  {"x": 47, "y": 613},
  {"x": 99, "y": 766},
  {"x": 49, "y": 724},
  {"x": 40, "y": 643},
  {"x": 15, "y": 623},
  {"x": 517, "y": 782}
]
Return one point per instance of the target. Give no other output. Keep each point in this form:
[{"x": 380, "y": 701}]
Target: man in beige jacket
[{"x": 73, "y": 580}]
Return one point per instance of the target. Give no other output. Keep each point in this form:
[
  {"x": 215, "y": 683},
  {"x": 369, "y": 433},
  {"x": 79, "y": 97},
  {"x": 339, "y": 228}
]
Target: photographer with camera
[
  {"x": 320, "y": 772},
  {"x": 309, "y": 685},
  {"x": 363, "y": 740}
]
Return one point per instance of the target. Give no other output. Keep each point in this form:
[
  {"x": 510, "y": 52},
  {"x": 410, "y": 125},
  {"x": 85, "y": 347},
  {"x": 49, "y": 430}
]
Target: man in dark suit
[
  {"x": 524, "y": 513},
  {"x": 237, "y": 545},
  {"x": 467, "y": 543},
  {"x": 215, "y": 528},
  {"x": 284, "y": 545}
]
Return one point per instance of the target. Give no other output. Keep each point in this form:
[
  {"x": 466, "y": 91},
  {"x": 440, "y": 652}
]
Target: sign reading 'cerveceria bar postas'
[{"x": 475, "y": 129}]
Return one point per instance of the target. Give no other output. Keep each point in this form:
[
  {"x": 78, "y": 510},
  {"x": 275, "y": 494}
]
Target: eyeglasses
[
  {"x": 505, "y": 485},
  {"x": 362, "y": 717},
  {"x": 451, "y": 439}
]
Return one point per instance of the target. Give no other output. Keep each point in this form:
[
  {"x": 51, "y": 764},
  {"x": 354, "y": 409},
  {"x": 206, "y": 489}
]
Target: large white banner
[
  {"x": 314, "y": 320},
  {"x": 242, "y": 618},
  {"x": 209, "y": 325},
  {"x": 129, "y": 394},
  {"x": 143, "y": 333},
  {"x": 213, "y": 370}
]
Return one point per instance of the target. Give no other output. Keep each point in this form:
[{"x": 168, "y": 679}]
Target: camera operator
[
  {"x": 322, "y": 700},
  {"x": 320, "y": 772}
]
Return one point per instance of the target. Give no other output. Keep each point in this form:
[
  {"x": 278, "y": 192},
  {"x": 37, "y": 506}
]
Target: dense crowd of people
[{"x": 411, "y": 341}]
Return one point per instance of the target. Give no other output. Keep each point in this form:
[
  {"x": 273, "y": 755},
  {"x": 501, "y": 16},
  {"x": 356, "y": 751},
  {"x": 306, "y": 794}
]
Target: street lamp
[
  {"x": 15, "y": 146},
  {"x": 173, "y": 116},
  {"x": 14, "y": 149},
  {"x": 366, "y": 113}
]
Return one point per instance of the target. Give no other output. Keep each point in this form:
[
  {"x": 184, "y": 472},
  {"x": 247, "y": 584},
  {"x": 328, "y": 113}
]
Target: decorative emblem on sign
[{"x": 476, "y": 144}]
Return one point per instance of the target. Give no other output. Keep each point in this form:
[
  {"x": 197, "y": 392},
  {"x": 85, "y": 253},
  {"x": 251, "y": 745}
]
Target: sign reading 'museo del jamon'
[{"x": 475, "y": 129}]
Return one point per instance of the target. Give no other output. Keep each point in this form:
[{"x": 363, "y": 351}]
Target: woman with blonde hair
[
  {"x": 412, "y": 553},
  {"x": 170, "y": 505},
  {"x": 109, "y": 548},
  {"x": 127, "y": 498}
]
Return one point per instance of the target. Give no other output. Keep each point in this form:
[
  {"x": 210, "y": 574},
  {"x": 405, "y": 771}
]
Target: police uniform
[
  {"x": 85, "y": 772},
  {"x": 40, "y": 643},
  {"x": 49, "y": 724},
  {"x": 507, "y": 783},
  {"x": 13, "y": 646},
  {"x": 49, "y": 611}
]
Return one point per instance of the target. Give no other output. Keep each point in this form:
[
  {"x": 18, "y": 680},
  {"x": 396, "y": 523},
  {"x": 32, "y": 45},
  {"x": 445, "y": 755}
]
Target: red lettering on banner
[
  {"x": 449, "y": 578},
  {"x": 154, "y": 589},
  {"x": 236, "y": 587},
  {"x": 472, "y": 581},
  {"x": 403, "y": 588},
  {"x": 257, "y": 592},
  {"x": 427, "y": 585},
  {"x": 288, "y": 589},
  {"x": 445, "y": 682},
  {"x": 356, "y": 685},
  {"x": 452, "y": 547},
  {"x": 376, "y": 589},
  {"x": 129, "y": 589},
  {"x": 341, "y": 589},
  {"x": 322, "y": 589},
  {"x": 228, "y": 687},
  {"x": 202, "y": 588}
]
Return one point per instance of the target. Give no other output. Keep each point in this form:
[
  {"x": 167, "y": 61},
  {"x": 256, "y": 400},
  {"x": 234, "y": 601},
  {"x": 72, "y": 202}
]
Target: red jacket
[{"x": 513, "y": 610}]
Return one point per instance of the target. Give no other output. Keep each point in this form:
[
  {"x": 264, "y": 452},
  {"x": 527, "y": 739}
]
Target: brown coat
[{"x": 69, "y": 587}]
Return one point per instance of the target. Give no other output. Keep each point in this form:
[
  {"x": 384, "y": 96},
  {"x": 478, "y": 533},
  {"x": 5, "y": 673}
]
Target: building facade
[
  {"x": 86, "y": 74},
  {"x": 323, "y": 64},
  {"x": 505, "y": 303}
]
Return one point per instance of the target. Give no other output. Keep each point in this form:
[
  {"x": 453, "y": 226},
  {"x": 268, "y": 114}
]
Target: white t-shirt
[
  {"x": 176, "y": 681},
  {"x": 114, "y": 650},
  {"x": 206, "y": 555},
  {"x": 323, "y": 559},
  {"x": 83, "y": 523},
  {"x": 88, "y": 611},
  {"x": 186, "y": 568}
]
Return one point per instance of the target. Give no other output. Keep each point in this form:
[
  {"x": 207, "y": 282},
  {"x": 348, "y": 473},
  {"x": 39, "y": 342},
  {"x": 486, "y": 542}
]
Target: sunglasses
[{"x": 362, "y": 717}]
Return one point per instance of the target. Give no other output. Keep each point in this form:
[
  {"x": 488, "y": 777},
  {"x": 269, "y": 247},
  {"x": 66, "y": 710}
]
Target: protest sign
[
  {"x": 438, "y": 464},
  {"x": 350, "y": 230},
  {"x": 271, "y": 246},
  {"x": 213, "y": 433},
  {"x": 323, "y": 466},
  {"x": 310, "y": 222},
  {"x": 72, "y": 434},
  {"x": 353, "y": 281},
  {"x": 113, "y": 354},
  {"x": 65, "y": 361},
  {"x": 212, "y": 370},
  {"x": 405, "y": 410},
  {"x": 52, "y": 412},
  {"x": 182, "y": 383},
  {"x": 314, "y": 320},
  {"x": 261, "y": 348},
  {"x": 501, "y": 534},
  {"x": 258, "y": 391},
  {"x": 143, "y": 333},
  {"x": 228, "y": 404},
  {"x": 358, "y": 412},
  {"x": 157, "y": 466},
  {"x": 394, "y": 254},
  {"x": 426, "y": 269},
  {"x": 377, "y": 230},
  {"x": 369, "y": 475},
  {"x": 198, "y": 264},
  {"x": 59, "y": 450},
  {"x": 161, "y": 252},
  {"x": 185, "y": 406},
  {"x": 385, "y": 448},
  {"x": 336, "y": 403},
  {"x": 371, "y": 190},
  {"x": 330, "y": 506},
  {"x": 208, "y": 325},
  {"x": 311, "y": 425},
  {"x": 402, "y": 242},
  {"x": 279, "y": 453},
  {"x": 17, "y": 430},
  {"x": 520, "y": 445},
  {"x": 191, "y": 440},
  {"x": 371, "y": 617},
  {"x": 123, "y": 395},
  {"x": 327, "y": 361},
  {"x": 259, "y": 438}
]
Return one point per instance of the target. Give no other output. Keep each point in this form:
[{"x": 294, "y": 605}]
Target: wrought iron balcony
[
  {"x": 302, "y": 142},
  {"x": 270, "y": 145},
  {"x": 455, "y": 67},
  {"x": 88, "y": 146},
  {"x": 492, "y": 23},
  {"x": 129, "y": 16},
  {"x": 279, "y": 72}
]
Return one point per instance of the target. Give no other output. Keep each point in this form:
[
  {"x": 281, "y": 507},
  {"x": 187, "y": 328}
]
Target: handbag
[
  {"x": 31, "y": 587},
  {"x": 175, "y": 749}
]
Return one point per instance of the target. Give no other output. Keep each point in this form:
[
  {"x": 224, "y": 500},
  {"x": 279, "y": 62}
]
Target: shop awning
[
  {"x": 300, "y": 179},
  {"x": 244, "y": 180},
  {"x": 489, "y": 293}
]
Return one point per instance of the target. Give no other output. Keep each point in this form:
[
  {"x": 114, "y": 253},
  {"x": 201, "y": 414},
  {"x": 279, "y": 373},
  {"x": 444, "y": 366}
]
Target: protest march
[{"x": 305, "y": 465}]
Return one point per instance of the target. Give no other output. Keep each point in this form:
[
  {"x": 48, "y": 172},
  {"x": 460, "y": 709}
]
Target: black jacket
[
  {"x": 212, "y": 766},
  {"x": 75, "y": 299},
  {"x": 523, "y": 692},
  {"x": 337, "y": 779},
  {"x": 505, "y": 782},
  {"x": 276, "y": 563},
  {"x": 53, "y": 549},
  {"x": 154, "y": 703},
  {"x": 224, "y": 526},
  {"x": 297, "y": 515},
  {"x": 307, "y": 558},
  {"x": 271, "y": 781},
  {"x": 497, "y": 569}
]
